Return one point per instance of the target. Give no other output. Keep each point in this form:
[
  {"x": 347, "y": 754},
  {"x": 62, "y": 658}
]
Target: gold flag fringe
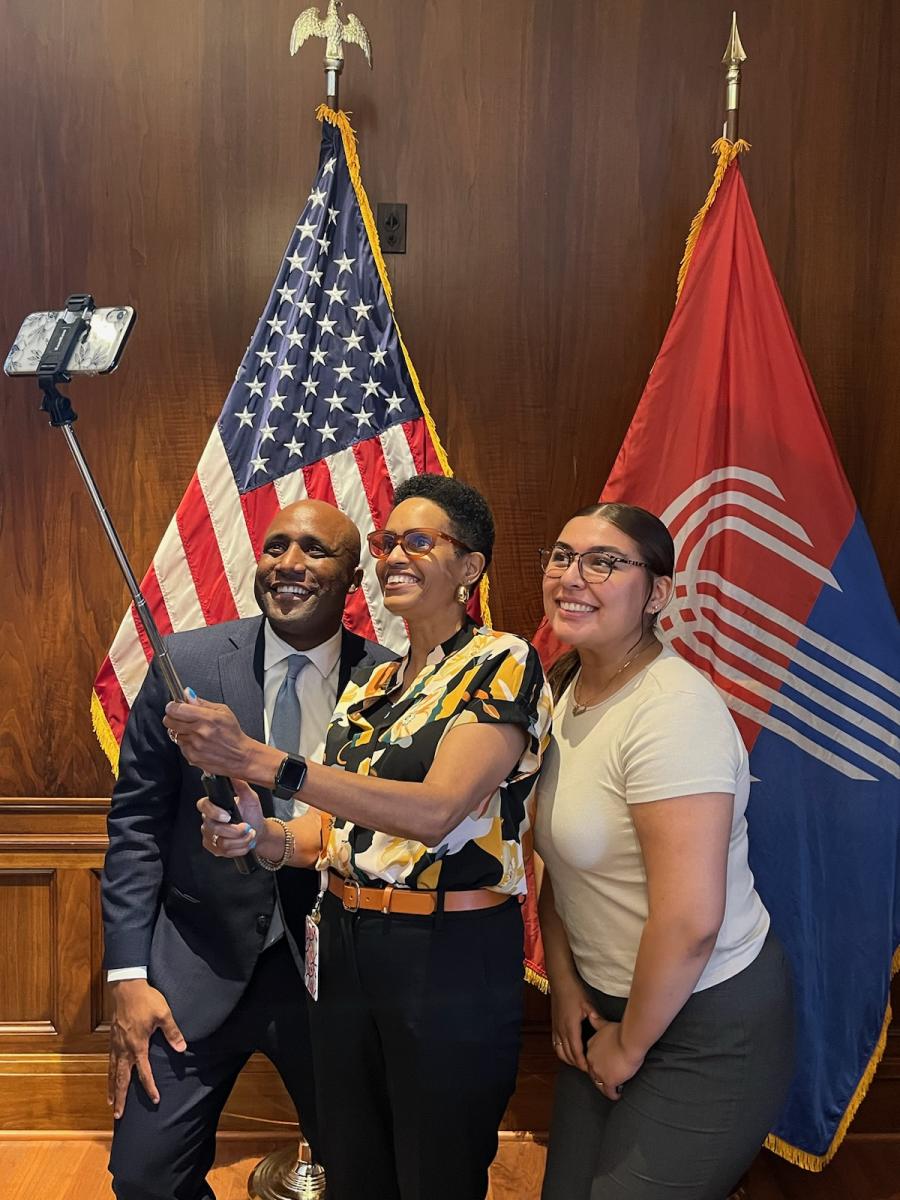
[
  {"x": 536, "y": 979},
  {"x": 341, "y": 121},
  {"x": 105, "y": 735},
  {"x": 727, "y": 152},
  {"x": 818, "y": 1162}
]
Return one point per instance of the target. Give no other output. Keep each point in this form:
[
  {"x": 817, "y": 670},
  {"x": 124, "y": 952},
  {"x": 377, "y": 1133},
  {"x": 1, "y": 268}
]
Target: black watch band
[{"x": 289, "y": 777}]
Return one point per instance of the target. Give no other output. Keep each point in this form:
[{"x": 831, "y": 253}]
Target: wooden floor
[{"x": 75, "y": 1169}]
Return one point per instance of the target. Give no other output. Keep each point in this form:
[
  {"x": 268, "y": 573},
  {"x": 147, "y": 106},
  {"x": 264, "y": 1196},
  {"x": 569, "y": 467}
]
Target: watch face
[{"x": 290, "y": 777}]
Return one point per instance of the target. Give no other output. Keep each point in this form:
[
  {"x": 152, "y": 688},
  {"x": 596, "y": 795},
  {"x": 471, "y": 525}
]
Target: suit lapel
[
  {"x": 353, "y": 650},
  {"x": 241, "y": 677}
]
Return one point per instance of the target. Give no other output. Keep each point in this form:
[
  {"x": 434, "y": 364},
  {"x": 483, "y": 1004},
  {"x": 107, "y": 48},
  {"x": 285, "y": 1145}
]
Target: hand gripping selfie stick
[{"x": 70, "y": 328}]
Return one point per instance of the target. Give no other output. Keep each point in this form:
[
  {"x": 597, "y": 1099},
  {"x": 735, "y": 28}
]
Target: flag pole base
[{"x": 287, "y": 1174}]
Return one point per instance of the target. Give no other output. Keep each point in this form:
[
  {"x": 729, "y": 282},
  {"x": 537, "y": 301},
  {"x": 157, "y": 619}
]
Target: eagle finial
[{"x": 334, "y": 31}]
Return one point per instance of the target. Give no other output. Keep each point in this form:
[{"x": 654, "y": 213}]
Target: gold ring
[{"x": 215, "y": 839}]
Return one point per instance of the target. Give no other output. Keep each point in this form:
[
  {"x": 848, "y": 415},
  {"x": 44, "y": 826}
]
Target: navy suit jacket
[{"x": 197, "y": 924}]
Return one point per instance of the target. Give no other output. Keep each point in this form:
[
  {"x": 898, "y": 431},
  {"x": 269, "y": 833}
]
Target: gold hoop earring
[{"x": 462, "y": 594}]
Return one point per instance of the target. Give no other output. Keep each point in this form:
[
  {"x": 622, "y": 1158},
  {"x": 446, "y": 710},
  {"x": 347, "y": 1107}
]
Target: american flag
[{"x": 325, "y": 404}]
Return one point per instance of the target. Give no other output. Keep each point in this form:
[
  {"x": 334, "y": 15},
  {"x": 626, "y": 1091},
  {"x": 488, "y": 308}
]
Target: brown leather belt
[{"x": 390, "y": 899}]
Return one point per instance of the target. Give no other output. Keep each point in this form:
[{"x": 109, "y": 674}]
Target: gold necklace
[{"x": 578, "y": 708}]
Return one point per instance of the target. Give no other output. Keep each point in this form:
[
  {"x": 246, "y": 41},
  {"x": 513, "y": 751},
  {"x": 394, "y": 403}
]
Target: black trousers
[
  {"x": 163, "y": 1152},
  {"x": 416, "y": 1043},
  {"x": 695, "y": 1115}
]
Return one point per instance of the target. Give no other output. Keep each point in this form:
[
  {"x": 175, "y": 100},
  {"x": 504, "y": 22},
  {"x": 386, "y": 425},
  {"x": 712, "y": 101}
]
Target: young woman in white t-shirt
[{"x": 671, "y": 999}]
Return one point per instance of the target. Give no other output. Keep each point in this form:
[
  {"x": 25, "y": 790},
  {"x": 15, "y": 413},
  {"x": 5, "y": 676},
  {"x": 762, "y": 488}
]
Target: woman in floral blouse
[{"x": 416, "y": 1028}]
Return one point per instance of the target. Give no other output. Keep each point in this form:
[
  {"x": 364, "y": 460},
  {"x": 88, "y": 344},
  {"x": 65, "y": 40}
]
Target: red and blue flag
[{"x": 780, "y": 600}]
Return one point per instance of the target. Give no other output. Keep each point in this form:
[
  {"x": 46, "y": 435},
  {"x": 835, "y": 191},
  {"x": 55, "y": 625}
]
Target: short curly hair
[{"x": 470, "y": 517}]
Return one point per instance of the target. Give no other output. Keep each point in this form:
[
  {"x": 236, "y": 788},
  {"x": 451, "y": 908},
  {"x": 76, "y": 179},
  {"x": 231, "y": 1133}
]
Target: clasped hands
[{"x": 604, "y": 1059}]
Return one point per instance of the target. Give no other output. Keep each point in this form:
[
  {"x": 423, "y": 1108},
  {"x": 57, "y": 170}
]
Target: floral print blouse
[{"x": 478, "y": 675}]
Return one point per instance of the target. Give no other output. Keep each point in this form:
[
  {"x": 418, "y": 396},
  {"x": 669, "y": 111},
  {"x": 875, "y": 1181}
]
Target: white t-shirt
[{"x": 666, "y": 733}]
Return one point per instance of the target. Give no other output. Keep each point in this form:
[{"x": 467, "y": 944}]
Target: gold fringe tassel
[
  {"x": 727, "y": 152},
  {"x": 536, "y": 979},
  {"x": 818, "y": 1162},
  {"x": 105, "y": 735},
  {"x": 341, "y": 121}
]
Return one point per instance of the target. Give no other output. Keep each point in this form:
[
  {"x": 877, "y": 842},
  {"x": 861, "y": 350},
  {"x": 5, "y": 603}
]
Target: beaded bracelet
[{"x": 266, "y": 863}]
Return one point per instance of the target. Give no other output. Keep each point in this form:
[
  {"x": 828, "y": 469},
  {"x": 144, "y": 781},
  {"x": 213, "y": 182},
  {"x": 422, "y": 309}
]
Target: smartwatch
[{"x": 289, "y": 777}]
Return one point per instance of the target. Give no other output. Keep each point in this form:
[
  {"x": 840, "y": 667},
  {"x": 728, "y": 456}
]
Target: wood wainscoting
[{"x": 54, "y": 1010}]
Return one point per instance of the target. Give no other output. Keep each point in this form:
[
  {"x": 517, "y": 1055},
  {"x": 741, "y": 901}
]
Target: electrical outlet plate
[{"x": 390, "y": 220}]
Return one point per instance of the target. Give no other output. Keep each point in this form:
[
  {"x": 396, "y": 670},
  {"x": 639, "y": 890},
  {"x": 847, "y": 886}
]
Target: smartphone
[{"x": 97, "y": 353}]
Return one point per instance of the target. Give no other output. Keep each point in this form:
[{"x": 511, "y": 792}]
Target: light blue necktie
[{"x": 284, "y": 731}]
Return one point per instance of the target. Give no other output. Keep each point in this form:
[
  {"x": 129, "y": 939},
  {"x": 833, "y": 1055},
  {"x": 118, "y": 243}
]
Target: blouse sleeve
[
  {"x": 508, "y": 687},
  {"x": 680, "y": 744}
]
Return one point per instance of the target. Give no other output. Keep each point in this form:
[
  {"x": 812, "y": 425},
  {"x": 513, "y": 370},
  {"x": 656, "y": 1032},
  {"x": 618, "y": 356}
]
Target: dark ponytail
[{"x": 563, "y": 672}]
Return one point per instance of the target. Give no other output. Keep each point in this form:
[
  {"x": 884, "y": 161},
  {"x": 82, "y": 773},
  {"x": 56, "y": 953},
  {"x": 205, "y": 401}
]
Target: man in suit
[{"x": 202, "y": 961}]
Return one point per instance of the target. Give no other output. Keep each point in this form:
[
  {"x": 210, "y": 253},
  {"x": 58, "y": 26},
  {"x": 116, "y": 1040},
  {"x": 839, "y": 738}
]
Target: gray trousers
[{"x": 691, "y": 1121}]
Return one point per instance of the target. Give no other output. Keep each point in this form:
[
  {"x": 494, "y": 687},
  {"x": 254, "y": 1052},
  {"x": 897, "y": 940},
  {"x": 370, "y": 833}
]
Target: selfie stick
[{"x": 51, "y": 371}]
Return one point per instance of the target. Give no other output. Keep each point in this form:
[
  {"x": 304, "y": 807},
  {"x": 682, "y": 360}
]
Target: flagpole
[
  {"x": 734, "y": 56},
  {"x": 333, "y": 68},
  {"x": 291, "y": 1173}
]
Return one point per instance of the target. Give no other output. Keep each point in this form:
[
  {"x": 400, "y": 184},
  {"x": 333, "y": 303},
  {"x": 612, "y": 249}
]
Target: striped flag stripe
[
  {"x": 318, "y": 482},
  {"x": 413, "y": 431},
  {"x": 319, "y": 487},
  {"x": 176, "y": 582},
  {"x": 352, "y": 499},
  {"x": 290, "y": 488},
  {"x": 128, "y": 658},
  {"x": 422, "y": 447},
  {"x": 154, "y": 597},
  {"x": 112, "y": 698},
  {"x": 204, "y": 559},
  {"x": 260, "y": 506},
  {"x": 374, "y": 479},
  {"x": 398, "y": 457},
  {"x": 227, "y": 518}
]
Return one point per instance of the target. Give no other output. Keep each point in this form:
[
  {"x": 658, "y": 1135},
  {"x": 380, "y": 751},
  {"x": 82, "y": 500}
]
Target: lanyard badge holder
[{"x": 311, "y": 955}]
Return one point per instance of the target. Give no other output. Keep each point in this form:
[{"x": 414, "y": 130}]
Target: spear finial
[{"x": 734, "y": 56}]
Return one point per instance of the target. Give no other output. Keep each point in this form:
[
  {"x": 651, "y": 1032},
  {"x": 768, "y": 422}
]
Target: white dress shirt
[{"x": 317, "y": 686}]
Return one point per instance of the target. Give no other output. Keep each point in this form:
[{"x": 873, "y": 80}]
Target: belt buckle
[{"x": 351, "y": 883}]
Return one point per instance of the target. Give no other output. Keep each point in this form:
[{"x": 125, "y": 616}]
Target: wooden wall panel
[
  {"x": 551, "y": 154},
  {"x": 53, "y": 1076},
  {"x": 27, "y": 991}
]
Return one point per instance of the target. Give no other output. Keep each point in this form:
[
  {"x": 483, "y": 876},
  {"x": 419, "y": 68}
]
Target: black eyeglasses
[
  {"x": 594, "y": 566},
  {"x": 415, "y": 542}
]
